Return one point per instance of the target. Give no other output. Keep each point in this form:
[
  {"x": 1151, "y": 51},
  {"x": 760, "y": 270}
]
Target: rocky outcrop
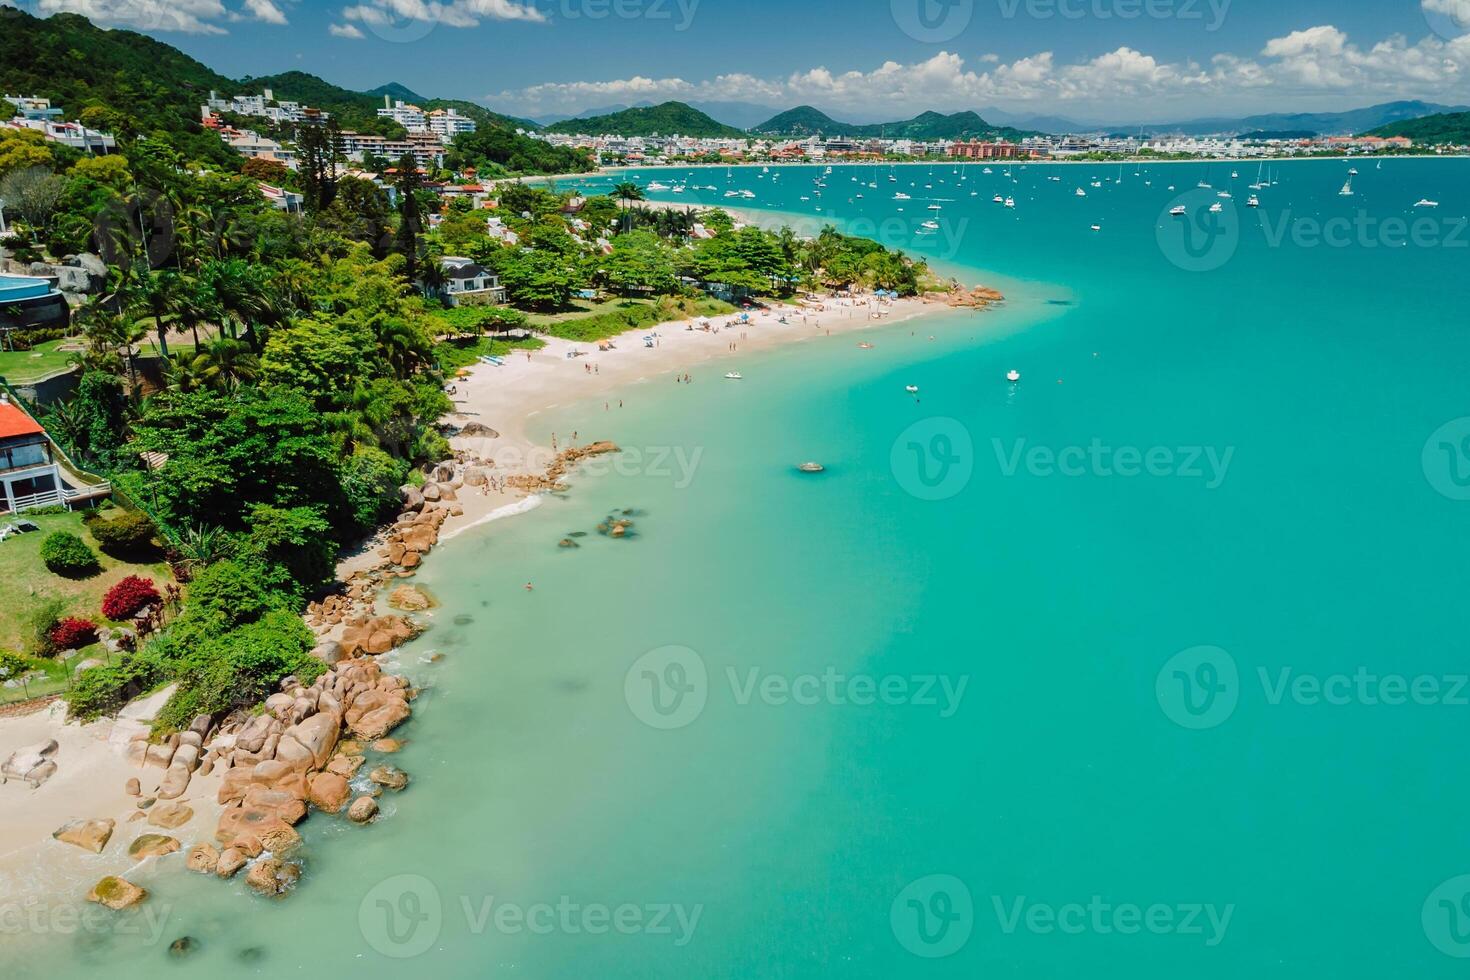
[
  {"x": 33, "y": 764},
  {"x": 273, "y": 877},
  {"x": 566, "y": 461},
  {"x": 116, "y": 893},
  {"x": 89, "y": 835},
  {"x": 203, "y": 859},
  {"x": 410, "y": 599},
  {"x": 170, "y": 815},
  {"x": 152, "y": 845},
  {"x": 363, "y": 809},
  {"x": 978, "y": 298},
  {"x": 280, "y": 764}
]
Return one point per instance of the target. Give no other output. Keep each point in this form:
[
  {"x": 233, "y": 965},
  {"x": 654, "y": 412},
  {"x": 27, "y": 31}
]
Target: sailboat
[{"x": 1347, "y": 189}]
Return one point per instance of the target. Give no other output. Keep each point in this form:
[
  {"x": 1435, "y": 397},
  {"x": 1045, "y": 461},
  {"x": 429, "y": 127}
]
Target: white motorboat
[
  {"x": 1080, "y": 192},
  {"x": 1010, "y": 202},
  {"x": 734, "y": 376},
  {"x": 998, "y": 199},
  {"x": 1013, "y": 376},
  {"x": 901, "y": 196},
  {"x": 1426, "y": 203},
  {"x": 911, "y": 389},
  {"x": 1178, "y": 210},
  {"x": 1253, "y": 202},
  {"x": 1216, "y": 208}
]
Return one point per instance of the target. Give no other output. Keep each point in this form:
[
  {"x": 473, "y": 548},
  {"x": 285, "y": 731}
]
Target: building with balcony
[{"x": 33, "y": 472}]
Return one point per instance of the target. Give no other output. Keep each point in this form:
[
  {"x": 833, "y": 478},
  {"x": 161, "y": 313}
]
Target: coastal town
[{"x": 412, "y": 503}]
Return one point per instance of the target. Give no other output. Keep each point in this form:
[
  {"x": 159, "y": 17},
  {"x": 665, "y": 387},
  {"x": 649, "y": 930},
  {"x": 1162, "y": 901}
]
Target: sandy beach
[
  {"x": 508, "y": 397},
  {"x": 92, "y": 770}
]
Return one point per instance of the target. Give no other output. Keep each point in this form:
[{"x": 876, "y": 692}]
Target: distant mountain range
[
  {"x": 1445, "y": 127},
  {"x": 1316, "y": 123},
  {"x": 806, "y": 121},
  {"x": 668, "y": 119}
]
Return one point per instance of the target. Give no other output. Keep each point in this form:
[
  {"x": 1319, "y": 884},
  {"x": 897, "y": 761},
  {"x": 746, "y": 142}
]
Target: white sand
[
  {"x": 91, "y": 773},
  {"x": 505, "y": 398},
  {"x": 91, "y": 769}
]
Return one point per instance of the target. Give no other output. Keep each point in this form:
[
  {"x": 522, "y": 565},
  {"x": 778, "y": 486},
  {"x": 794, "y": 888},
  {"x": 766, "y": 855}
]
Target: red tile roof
[{"x": 14, "y": 422}]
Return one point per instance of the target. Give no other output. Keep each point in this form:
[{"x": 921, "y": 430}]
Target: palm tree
[
  {"x": 625, "y": 192},
  {"x": 225, "y": 364},
  {"x": 157, "y": 299}
]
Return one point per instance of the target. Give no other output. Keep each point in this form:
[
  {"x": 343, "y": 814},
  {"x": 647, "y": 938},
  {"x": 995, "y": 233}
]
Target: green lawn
[
  {"x": 602, "y": 320},
  {"x": 579, "y": 309},
  {"x": 28, "y": 582},
  {"x": 20, "y": 367},
  {"x": 463, "y": 352}
]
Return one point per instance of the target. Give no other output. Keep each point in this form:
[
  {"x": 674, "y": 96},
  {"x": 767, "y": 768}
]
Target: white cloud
[
  {"x": 182, "y": 16},
  {"x": 345, "y": 30},
  {"x": 1317, "y": 62},
  {"x": 454, "y": 13},
  {"x": 265, "y": 10},
  {"x": 1456, "y": 12}
]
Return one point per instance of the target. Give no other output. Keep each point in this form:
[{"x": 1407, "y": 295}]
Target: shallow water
[{"x": 939, "y": 710}]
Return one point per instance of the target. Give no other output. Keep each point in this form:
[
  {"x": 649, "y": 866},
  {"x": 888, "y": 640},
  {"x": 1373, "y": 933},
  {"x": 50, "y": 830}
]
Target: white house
[{"x": 464, "y": 279}]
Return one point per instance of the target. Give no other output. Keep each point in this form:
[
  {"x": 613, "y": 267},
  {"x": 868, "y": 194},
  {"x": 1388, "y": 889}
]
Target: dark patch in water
[
  {"x": 463, "y": 619},
  {"x": 569, "y": 685},
  {"x": 1058, "y": 302},
  {"x": 577, "y": 534}
]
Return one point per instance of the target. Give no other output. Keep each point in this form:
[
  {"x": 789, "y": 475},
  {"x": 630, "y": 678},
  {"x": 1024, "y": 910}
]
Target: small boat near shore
[
  {"x": 734, "y": 376},
  {"x": 811, "y": 467},
  {"x": 1426, "y": 203},
  {"x": 1013, "y": 376},
  {"x": 911, "y": 389}
]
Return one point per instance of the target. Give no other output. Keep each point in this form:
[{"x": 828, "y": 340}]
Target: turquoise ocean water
[{"x": 1146, "y": 666}]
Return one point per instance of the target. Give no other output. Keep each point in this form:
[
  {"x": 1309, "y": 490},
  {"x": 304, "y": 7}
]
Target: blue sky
[{"x": 1121, "y": 60}]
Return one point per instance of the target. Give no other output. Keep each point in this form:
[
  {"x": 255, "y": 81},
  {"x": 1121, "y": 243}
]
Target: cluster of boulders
[
  {"x": 180, "y": 755},
  {"x": 977, "y": 298},
  {"x": 84, "y": 274},
  {"x": 564, "y": 462},
  {"x": 294, "y": 757}
]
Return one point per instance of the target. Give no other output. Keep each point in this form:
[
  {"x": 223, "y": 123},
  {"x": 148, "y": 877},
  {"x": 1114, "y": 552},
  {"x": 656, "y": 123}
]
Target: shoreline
[
  {"x": 955, "y": 161},
  {"x": 92, "y": 767}
]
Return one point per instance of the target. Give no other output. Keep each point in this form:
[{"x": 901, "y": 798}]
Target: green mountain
[
  {"x": 806, "y": 121},
  {"x": 118, "y": 80},
  {"x": 668, "y": 119},
  {"x": 134, "y": 85},
  {"x": 802, "y": 121},
  {"x": 396, "y": 90},
  {"x": 1444, "y": 127}
]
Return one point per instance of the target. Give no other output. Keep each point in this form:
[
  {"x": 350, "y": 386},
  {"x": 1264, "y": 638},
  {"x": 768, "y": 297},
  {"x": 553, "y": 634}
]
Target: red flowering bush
[
  {"x": 73, "y": 634},
  {"x": 125, "y": 598}
]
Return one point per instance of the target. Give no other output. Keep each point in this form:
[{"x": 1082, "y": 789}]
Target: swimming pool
[{"x": 16, "y": 288}]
